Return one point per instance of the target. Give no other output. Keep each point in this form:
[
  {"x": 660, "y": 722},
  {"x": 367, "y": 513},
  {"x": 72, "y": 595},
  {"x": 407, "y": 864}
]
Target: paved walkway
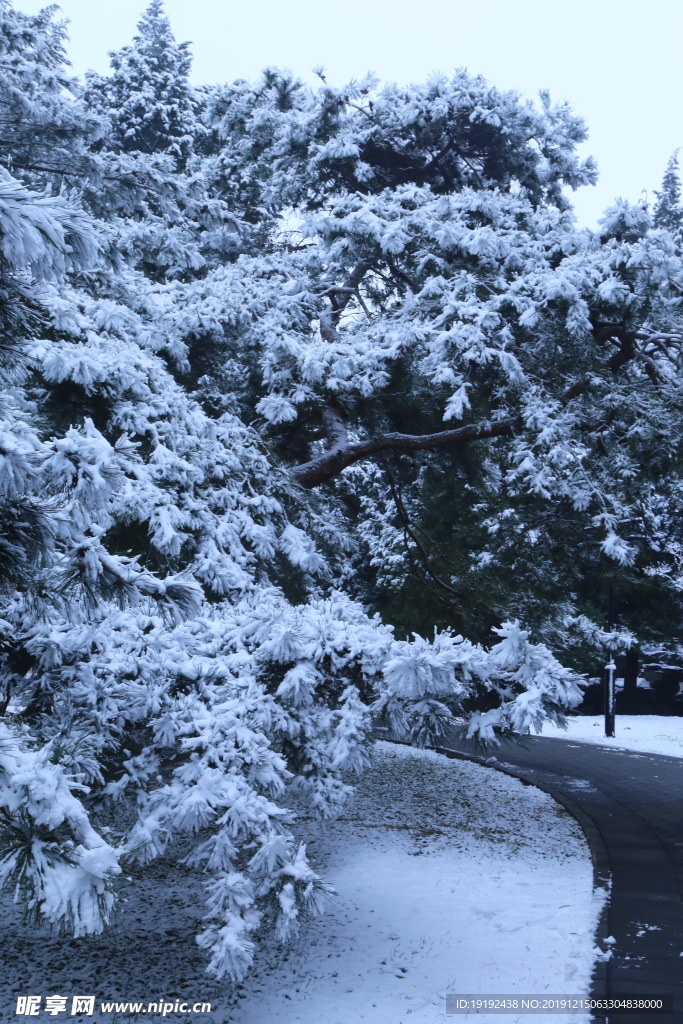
[{"x": 630, "y": 806}]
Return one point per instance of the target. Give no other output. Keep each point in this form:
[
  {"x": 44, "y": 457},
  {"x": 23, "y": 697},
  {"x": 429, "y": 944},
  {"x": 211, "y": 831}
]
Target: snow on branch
[
  {"x": 48, "y": 847},
  {"x": 330, "y": 463}
]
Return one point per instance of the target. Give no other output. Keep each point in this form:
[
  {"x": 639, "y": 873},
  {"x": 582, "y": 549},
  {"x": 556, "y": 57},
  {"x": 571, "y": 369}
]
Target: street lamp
[{"x": 610, "y": 668}]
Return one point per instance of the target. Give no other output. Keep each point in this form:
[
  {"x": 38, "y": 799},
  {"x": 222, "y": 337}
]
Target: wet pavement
[{"x": 630, "y": 806}]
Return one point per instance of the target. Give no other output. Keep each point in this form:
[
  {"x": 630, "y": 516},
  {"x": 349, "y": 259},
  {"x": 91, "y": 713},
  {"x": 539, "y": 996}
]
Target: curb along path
[{"x": 630, "y": 806}]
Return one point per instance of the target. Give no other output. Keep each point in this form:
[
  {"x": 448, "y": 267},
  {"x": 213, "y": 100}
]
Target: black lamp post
[{"x": 610, "y": 669}]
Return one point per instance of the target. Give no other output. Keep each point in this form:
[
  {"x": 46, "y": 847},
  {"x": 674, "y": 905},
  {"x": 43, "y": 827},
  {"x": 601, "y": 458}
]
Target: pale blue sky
[{"x": 618, "y": 62}]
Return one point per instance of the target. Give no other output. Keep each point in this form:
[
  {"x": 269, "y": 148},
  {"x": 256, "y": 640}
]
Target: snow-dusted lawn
[
  {"x": 451, "y": 878},
  {"x": 654, "y": 734}
]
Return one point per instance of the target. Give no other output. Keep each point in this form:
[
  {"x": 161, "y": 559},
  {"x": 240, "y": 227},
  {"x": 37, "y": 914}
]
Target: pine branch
[
  {"x": 340, "y": 455},
  {"x": 330, "y": 463},
  {"x": 410, "y": 532}
]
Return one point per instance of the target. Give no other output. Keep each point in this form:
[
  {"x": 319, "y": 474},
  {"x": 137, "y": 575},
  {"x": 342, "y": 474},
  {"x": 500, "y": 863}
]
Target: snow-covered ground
[
  {"x": 651, "y": 733},
  {"x": 451, "y": 877}
]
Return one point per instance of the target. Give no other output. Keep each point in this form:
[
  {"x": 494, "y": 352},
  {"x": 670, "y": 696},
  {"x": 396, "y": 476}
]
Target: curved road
[{"x": 630, "y": 805}]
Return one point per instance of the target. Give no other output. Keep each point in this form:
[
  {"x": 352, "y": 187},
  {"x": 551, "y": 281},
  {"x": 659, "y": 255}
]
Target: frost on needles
[{"x": 318, "y": 413}]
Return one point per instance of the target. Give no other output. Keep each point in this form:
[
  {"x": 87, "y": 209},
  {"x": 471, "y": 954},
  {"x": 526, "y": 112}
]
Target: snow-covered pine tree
[
  {"x": 114, "y": 671},
  {"x": 39, "y": 233},
  {"x": 668, "y": 212},
  {"x": 121, "y": 684},
  {"x": 274, "y": 325},
  {"x": 42, "y": 122},
  {"x": 147, "y": 100},
  {"x": 438, "y": 313}
]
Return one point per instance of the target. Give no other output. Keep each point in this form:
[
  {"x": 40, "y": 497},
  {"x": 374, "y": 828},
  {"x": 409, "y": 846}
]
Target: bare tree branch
[
  {"x": 330, "y": 463},
  {"x": 341, "y": 454}
]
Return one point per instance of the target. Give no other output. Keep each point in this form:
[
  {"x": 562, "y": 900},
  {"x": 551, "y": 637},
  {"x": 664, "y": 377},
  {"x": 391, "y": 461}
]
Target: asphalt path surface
[{"x": 630, "y": 805}]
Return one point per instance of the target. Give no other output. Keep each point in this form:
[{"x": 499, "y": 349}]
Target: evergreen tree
[
  {"x": 668, "y": 212},
  {"x": 41, "y": 236},
  {"x": 264, "y": 358},
  {"x": 42, "y": 121},
  {"x": 148, "y": 99},
  {"x": 469, "y": 297},
  {"x": 122, "y": 680}
]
